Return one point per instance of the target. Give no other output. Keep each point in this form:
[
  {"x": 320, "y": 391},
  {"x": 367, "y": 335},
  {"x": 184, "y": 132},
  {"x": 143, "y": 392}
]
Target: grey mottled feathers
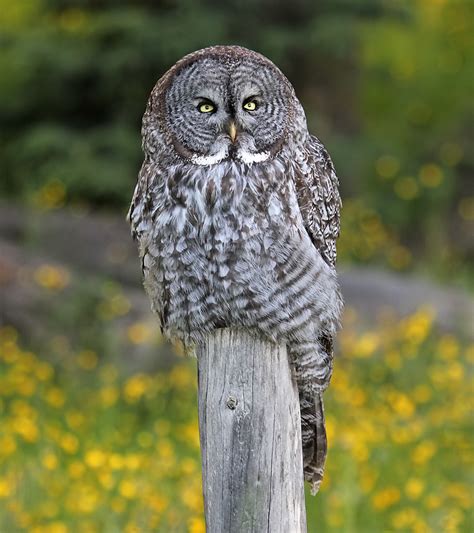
[{"x": 319, "y": 199}]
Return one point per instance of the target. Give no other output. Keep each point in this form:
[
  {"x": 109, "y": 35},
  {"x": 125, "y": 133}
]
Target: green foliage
[
  {"x": 420, "y": 81},
  {"x": 387, "y": 86}
]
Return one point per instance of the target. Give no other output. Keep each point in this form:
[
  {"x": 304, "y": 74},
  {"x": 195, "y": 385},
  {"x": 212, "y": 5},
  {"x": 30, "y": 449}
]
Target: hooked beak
[{"x": 232, "y": 130}]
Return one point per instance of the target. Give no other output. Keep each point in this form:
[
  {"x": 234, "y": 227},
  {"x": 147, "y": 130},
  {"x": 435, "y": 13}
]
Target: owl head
[{"x": 220, "y": 103}]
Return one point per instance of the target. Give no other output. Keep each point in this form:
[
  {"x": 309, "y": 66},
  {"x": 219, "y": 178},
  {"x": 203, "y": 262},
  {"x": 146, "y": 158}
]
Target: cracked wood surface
[{"x": 249, "y": 424}]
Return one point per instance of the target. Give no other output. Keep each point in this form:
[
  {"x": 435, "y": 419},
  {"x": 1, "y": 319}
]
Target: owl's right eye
[{"x": 206, "y": 107}]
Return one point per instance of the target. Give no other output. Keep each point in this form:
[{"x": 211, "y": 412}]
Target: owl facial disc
[{"x": 220, "y": 108}]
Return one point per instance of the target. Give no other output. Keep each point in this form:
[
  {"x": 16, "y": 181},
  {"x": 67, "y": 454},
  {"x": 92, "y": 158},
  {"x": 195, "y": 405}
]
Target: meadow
[{"x": 86, "y": 447}]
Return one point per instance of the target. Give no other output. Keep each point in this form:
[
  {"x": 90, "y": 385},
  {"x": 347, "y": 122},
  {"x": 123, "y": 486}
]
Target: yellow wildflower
[
  {"x": 136, "y": 386},
  {"x": 140, "y": 333},
  {"x": 387, "y": 166},
  {"x": 433, "y": 501},
  {"x": 461, "y": 493},
  {"x": 69, "y": 443},
  {"x": 115, "y": 305},
  {"x": 95, "y": 458},
  {"x": 401, "y": 404},
  {"x": 157, "y": 502},
  {"x": 188, "y": 466},
  {"x": 57, "y": 527},
  {"x": 414, "y": 488},
  {"x": 431, "y": 175},
  {"x": 9, "y": 353},
  {"x": 132, "y": 461},
  {"x": 423, "y": 452},
  {"x": 7, "y": 445},
  {"x": 50, "y": 461},
  {"x": 165, "y": 450},
  {"x": 330, "y": 427},
  {"x": 44, "y": 371},
  {"x": 401, "y": 435},
  {"x": 197, "y": 525},
  {"x": 191, "y": 434},
  {"x": 51, "y": 195},
  {"x": 8, "y": 335},
  {"x": 404, "y": 518},
  {"x": 106, "y": 480},
  {"x": 192, "y": 498},
  {"x": 5, "y": 488},
  {"x": 76, "y": 469},
  {"x": 416, "y": 327},
  {"x": 52, "y": 277},
  {"x": 128, "y": 489},
  {"x": 366, "y": 345},
  {"x": 455, "y": 371},
  {"x": 55, "y": 397},
  {"x": 385, "y": 498},
  {"x": 360, "y": 450},
  {"x": 448, "y": 347},
  {"x": 182, "y": 377},
  {"x": 75, "y": 419},
  {"x": 406, "y": 188},
  {"x": 26, "y": 428},
  {"x": 116, "y": 461},
  {"x": 26, "y": 386},
  {"x": 87, "y": 360},
  {"x": 452, "y": 521},
  {"x": 86, "y": 499}
]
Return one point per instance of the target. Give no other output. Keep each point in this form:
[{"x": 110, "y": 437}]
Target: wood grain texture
[{"x": 249, "y": 422}]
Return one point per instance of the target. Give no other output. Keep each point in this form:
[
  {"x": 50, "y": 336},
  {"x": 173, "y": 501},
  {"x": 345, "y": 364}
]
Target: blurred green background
[
  {"x": 97, "y": 433},
  {"x": 387, "y": 86}
]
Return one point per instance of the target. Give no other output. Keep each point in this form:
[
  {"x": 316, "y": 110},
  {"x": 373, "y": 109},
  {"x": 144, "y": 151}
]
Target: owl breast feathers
[{"x": 236, "y": 216}]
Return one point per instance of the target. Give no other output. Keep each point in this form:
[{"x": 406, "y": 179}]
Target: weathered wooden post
[{"x": 249, "y": 423}]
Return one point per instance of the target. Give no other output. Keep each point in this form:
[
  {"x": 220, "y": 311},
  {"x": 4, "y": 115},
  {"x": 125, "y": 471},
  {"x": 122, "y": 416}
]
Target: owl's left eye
[
  {"x": 206, "y": 107},
  {"x": 250, "y": 105}
]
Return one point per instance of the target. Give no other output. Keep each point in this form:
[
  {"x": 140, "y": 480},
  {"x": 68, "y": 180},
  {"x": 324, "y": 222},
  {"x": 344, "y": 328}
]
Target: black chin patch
[{"x": 232, "y": 151}]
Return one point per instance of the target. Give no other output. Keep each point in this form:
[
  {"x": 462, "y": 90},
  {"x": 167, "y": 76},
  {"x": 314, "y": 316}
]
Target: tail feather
[
  {"x": 313, "y": 368},
  {"x": 313, "y": 433}
]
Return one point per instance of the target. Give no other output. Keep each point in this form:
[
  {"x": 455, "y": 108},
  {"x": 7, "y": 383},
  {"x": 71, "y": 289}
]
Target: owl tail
[{"x": 313, "y": 433}]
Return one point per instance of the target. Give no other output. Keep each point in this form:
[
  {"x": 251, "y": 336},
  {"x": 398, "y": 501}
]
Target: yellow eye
[
  {"x": 206, "y": 107},
  {"x": 250, "y": 106}
]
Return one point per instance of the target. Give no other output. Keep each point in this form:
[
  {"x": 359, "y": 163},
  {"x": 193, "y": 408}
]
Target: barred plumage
[{"x": 241, "y": 230}]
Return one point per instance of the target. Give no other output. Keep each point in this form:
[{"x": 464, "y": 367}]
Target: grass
[{"x": 87, "y": 448}]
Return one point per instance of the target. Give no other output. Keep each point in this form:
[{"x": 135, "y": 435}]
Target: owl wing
[
  {"x": 141, "y": 215},
  {"x": 140, "y": 209},
  {"x": 317, "y": 191},
  {"x": 318, "y": 197}
]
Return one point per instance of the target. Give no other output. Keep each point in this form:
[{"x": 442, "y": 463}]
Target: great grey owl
[{"x": 236, "y": 215}]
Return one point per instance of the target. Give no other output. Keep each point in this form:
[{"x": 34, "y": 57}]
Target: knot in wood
[{"x": 232, "y": 402}]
